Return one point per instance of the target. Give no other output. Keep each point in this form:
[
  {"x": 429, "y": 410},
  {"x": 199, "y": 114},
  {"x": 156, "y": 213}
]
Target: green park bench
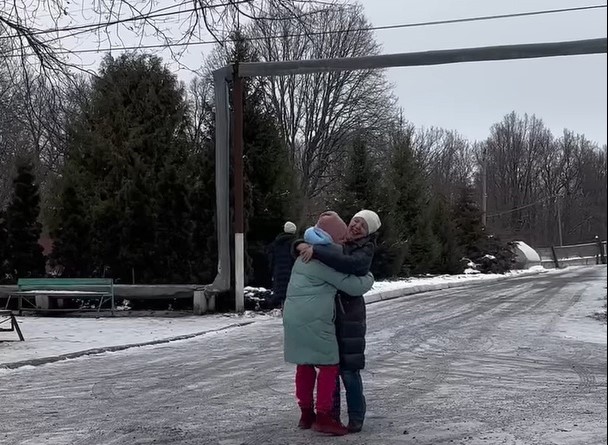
[{"x": 101, "y": 289}]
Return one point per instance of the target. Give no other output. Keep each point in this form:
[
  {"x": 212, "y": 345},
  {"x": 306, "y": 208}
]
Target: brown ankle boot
[
  {"x": 307, "y": 418},
  {"x": 325, "y": 423}
]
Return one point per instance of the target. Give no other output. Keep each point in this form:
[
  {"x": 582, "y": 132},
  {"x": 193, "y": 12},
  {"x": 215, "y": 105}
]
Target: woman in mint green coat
[
  {"x": 308, "y": 317},
  {"x": 309, "y": 328}
]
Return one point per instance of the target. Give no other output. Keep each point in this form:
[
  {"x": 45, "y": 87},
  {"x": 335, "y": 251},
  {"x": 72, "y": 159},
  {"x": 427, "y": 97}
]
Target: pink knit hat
[{"x": 333, "y": 225}]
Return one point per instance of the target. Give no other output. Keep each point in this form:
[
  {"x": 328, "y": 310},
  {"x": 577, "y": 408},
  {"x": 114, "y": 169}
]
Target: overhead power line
[
  {"x": 506, "y": 212},
  {"x": 154, "y": 14},
  {"x": 157, "y": 13},
  {"x": 83, "y": 28}
]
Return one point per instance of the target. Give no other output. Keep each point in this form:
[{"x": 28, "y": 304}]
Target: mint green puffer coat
[{"x": 309, "y": 310}]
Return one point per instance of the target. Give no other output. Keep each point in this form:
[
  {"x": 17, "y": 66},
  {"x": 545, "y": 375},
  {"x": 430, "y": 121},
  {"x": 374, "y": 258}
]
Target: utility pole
[
  {"x": 484, "y": 190},
  {"x": 559, "y": 221},
  {"x": 239, "y": 226}
]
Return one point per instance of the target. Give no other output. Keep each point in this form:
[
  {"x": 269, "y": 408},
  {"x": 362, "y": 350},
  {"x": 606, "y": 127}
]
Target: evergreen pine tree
[
  {"x": 405, "y": 191},
  {"x": 407, "y": 187},
  {"x": 494, "y": 255},
  {"x": 126, "y": 156},
  {"x": 174, "y": 228},
  {"x": 71, "y": 238},
  {"x": 267, "y": 179},
  {"x": 487, "y": 251},
  {"x": 24, "y": 254},
  {"x": 359, "y": 184},
  {"x": 424, "y": 247},
  {"x": 203, "y": 259},
  {"x": 450, "y": 259},
  {"x": 467, "y": 217}
]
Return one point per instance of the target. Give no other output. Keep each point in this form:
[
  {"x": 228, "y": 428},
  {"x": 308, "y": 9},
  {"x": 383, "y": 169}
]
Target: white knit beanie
[
  {"x": 371, "y": 218},
  {"x": 289, "y": 227}
]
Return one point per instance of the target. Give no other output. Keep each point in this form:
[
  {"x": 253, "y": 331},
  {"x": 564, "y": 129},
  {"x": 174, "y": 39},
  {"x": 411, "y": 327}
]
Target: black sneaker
[{"x": 354, "y": 426}]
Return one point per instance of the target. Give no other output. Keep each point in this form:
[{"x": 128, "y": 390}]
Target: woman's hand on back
[{"x": 305, "y": 252}]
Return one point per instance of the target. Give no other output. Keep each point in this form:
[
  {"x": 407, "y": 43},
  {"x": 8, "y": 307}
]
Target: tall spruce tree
[
  {"x": 24, "y": 256},
  {"x": 450, "y": 258},
  {"x": 359, "y": 185},
  {"x": 489, "y": 253},
  {"x": 126, "y": 154},
  {"x": 407, "y": 185},
  {"x": 361, "y": 188},
  {"x": 424, "y": 247},
  {"x": 71, "y": 237},
  {"x": 467, "y": 217},
  {"x": 174, "y": 227},
  {"x": 203, "y": 259},
  {"x": 406, "y": 193}
]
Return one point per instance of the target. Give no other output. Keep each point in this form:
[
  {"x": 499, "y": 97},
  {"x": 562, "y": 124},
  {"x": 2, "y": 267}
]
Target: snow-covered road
[{"x": 510, "y": 362}]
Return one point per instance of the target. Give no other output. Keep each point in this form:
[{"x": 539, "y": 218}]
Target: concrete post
[{"x": 203, "y": 302}]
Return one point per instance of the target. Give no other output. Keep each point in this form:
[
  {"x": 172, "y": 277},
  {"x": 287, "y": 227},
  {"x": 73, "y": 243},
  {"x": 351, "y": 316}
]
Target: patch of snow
[
  {"x": 250, "y": 289},
  {"x": 51, "y": 336}
]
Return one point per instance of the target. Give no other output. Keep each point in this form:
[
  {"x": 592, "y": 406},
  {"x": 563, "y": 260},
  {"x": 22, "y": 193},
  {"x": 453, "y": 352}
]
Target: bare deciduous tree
[
  {"x": 320, "y": 113},
  {"x": 33, "y": 123},
  {"x": 200, "y": 93},
  {"x": 538, "y": 185},
  {"x": 34, "y": 32},
  {"x": 582, "y": 188},
  {"x": 446, "y": 159}
]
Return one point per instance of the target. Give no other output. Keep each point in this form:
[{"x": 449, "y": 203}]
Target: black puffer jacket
[
  {"x": 281, "y": 263},
  {"x": 351, "y": 327}
]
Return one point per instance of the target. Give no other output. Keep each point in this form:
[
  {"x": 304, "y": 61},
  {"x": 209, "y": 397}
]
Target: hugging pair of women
[{"x": 324, "y": 319}]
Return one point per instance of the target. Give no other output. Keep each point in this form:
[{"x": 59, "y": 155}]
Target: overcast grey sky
[{"x": 565, "y": 92}]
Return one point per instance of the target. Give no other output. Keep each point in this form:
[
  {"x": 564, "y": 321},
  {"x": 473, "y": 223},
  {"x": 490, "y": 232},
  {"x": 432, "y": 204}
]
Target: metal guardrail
[{"x": 573, "y": 255}]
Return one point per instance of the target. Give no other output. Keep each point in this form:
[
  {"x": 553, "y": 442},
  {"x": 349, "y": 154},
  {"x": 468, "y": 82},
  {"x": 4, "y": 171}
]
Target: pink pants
[{"x": 326, "y": 384}]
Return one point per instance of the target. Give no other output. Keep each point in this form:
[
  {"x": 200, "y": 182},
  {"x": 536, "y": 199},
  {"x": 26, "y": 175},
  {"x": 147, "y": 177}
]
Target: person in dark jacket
[
  {"x": 281, "y": 262},
  {"x": 356, "y": 258}
]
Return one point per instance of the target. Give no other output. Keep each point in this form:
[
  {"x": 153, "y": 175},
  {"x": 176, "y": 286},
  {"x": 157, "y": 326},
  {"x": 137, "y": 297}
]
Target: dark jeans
[{"x": 355, "y": 400}]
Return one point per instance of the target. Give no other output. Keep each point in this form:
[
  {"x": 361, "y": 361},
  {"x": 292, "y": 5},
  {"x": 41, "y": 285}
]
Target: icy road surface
[{"x": 517, "y": 361}]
